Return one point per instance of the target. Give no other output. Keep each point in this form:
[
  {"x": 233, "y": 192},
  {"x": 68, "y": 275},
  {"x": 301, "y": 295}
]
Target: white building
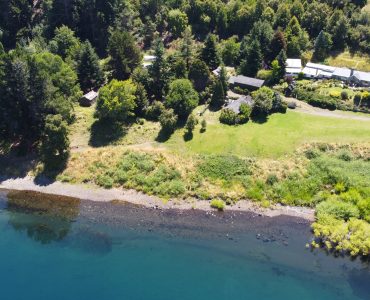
[
  {"x": 293, "y": 66},
  {"x": 342, "y": 74},
  {"x": 148, "y": 60},
  {"x": 312, "y": 70}
]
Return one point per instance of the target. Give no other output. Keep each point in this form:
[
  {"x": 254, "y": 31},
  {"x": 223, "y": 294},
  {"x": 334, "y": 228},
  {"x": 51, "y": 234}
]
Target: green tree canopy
[
  {"x": 89, "y": 71},
  {"x": 323, "y": 45},
  {"x": 177, "y": 22},
  {"x": 251, "y": 59},
  {"x": 199, "y": 74},
  {"x": 116, "y": 101},
  {"x": 55, "y": 141},
  {"x": 64, "y": 43},
  {"x": 263, "y": 99},
  {"x": 209, "y": 53},
  {"x": 182, "y": 97},
  {"x": 125, "y": 54}
]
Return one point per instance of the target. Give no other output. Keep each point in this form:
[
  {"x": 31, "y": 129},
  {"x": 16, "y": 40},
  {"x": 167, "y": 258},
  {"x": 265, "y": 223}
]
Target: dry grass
[{"x": 346, "y": 59}]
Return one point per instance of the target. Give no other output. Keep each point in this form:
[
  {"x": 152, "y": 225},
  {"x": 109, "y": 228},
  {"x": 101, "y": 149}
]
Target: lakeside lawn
[{"x": 282, "y": 134}]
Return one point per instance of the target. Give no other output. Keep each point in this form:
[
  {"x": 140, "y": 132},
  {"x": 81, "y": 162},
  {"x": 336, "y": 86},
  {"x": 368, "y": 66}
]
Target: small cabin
[{"x": 89, "y": 98}]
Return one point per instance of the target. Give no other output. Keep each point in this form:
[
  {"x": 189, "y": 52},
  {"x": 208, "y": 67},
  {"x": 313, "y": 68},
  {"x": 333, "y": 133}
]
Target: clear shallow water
[{"x": 84, "y": 250}]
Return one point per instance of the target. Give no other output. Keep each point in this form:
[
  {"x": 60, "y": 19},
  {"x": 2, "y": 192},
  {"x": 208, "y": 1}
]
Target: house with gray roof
[
  {"x": 361, "y": 78},
  {"x": 246, "y": 82},
  {"x": 342, "y": 74},
  {"x": 89, "y": 98},
  {"x": 235, "y": 104}
]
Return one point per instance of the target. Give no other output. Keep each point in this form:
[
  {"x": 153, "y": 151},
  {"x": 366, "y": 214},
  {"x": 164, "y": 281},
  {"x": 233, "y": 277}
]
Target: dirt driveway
[{"x": 309, "y": 109}]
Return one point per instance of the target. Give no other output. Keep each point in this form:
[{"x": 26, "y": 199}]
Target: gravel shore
[{"x": 93, "y": 193}]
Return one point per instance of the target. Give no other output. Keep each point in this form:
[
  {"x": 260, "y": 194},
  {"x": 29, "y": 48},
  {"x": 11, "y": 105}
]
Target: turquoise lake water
[{"x": 85, "y": 250}]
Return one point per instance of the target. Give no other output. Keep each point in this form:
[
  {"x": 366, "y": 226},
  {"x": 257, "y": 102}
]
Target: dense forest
[{"x": 53, "y": 51}]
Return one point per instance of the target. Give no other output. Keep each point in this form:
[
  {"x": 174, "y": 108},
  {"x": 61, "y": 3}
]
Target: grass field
[
  {"x": 280, "y": 135},
  {"x": 345, "y": 59}
]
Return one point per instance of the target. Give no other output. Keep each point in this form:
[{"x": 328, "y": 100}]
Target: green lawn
[{"x": 280, "y": 135}]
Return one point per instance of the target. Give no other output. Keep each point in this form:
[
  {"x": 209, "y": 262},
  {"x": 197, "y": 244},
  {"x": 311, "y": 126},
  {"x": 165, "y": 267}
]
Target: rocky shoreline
[{"x": 94, "y": 193}]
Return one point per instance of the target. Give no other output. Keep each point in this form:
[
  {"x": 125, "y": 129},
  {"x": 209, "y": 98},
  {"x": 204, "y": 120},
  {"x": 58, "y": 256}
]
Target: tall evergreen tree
[
  {"x": 125, "y": 54},
  {"x": 187, "y": 47},
  {"x": 281, "y": 59},
  {"x": 199, "y": 75},
  {"x": 323, "y": 45},
  {"x": 338, "y": 28},
  {"x": 159, "y": 72},
  {"x": 223, "y": 79},
  {"x": 277, "y": 44},
  {"x": 251, "y": 59},
  {"x": 209, "y": 52},
  {"x": 218, "y": 95},
  {"x": 90, "y": 74}
]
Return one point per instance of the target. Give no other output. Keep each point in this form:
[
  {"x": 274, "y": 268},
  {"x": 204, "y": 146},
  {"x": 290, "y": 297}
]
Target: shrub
[
  {"x": 357, "y": 99},
  {"x": 154, "y": 111},
  {"x": 312, "y": 153},
  {"x": 191, "y": 122},
  {"x": 203, "y": 125},
  {"x": 272, "y": 179},
  {"x": 345, "y": 155},
  {"x": 338, "y": 209},
  {"x": 218, "y": 204},
  {"x": 168, "y": 120},
  {"x": 223, "y": 167},
  {"x": 334, "y": 94},
  {"x": 244, "y": 114},
  {"x": 105, "y": 181},
  {"x": 364, "y": 208},
  {"x": 344, "y": 95},
  {"x": 263, "y": 101},
  {"x": 228, "y": 117}
]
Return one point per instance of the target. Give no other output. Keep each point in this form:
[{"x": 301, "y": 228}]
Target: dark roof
[
  {"x": 235, "y": 105},
  {"x": 240, "y": 79}
]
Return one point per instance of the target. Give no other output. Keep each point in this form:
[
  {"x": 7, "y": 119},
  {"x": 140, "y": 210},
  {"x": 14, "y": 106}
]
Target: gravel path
[
  {"x": 93, "y": 193},
  {"x": 304, "y": 107}
]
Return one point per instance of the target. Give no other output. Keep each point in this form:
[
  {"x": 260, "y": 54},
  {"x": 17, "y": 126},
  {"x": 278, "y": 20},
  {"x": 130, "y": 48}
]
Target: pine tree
[
  {"x": 323, "y": 45},
  {"x": 281, "y": 59},
  {"x": 159, "y": 72},
  {"x": 218, "y": 96},
  {"x": 276, "y": 71},
  {"x": 277, "y": 44},
  {"x": 187, "y": 47},
  {"x": 251, "y": 59},
  {"x": 223, "y": 78},
  {"x": 209, "y": 52},
  {"x": 125, "y": 54},
  {"x": 90, "y": 74}
]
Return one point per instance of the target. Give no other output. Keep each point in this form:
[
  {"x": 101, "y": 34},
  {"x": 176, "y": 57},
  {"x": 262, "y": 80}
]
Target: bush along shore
[{"x": 333, "y": 179}]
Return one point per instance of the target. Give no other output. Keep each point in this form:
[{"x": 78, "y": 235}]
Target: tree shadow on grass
[
  {"x": 259, "y": 118},
  {"x": 52, "y": 168},
  {"x": 163, "y": 136},
  {"x": 105, "y": 132}
]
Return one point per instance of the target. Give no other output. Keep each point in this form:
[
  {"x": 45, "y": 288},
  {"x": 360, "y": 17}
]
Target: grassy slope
[{"x": 345, "y": 59}]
